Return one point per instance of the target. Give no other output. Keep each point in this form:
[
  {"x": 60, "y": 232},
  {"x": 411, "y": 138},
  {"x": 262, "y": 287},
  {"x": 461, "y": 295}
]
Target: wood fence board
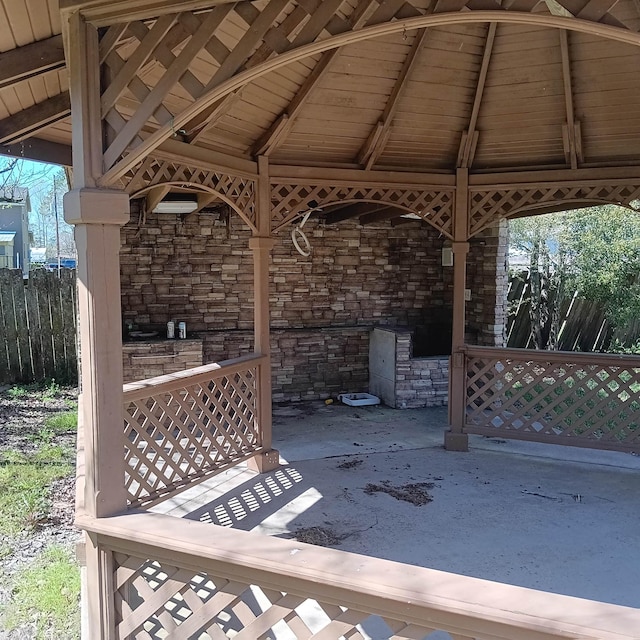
[
  {"x": 4, "y": 325},
  {"x": 57, "y": 326},
  {"x": 46, "y": 329},
  {"x": 11, "y": 336},
  {"x": 20, "y": 310},
  {"x": 69, "y": 332},
  {"x": 35, "y": 331}
]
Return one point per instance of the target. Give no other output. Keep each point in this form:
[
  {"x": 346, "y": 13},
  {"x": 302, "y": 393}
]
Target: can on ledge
[
  {"x": 171, "y": 330},
  {"x": 182, "y": 330}
]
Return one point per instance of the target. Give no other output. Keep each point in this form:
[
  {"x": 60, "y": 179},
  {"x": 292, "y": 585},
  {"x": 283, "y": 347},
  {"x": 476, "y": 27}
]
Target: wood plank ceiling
[{"x": 488, "y": 96}]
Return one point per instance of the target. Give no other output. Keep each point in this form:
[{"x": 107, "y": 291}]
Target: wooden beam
[
  {"x": 30, "y": 120},
  {"x": 39, "y": 150},
  {"x": 31, "y": 60},
  {"x": 156, "y": 195},
  {"x": 279, "y": 61},
  {"x": 469, "y": 140},
  {"x": 377, "y": 139},
  {"x": 382, "y": 215},
  {"x": 278, "y": 131},
  {"x": 204, "y": 200},
  {"x": 354, "y": 210},
  {"x": 571, "y": 135},
  {"x": 208, "y": 118}
]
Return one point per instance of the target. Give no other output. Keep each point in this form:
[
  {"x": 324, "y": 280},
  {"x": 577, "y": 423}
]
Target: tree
[{"x": 594, "y": 251}]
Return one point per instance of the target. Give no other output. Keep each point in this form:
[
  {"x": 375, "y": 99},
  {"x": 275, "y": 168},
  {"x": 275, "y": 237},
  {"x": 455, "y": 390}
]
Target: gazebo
[{"x": 460, "y": 113}]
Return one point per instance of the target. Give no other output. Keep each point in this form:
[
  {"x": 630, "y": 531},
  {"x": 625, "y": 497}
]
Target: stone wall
[{"x": 322, "y": 308}]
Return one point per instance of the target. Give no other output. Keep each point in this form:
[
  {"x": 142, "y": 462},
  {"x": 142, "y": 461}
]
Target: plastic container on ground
[{"x": 358, "y": 399}]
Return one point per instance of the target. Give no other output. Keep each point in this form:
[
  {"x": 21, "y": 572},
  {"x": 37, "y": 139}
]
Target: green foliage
[
  {"x": 617, "y": 347},
  {"x": 17, "y": 392},
  {"x": 66, "y": 422},
  {"x": 603, "y": 244},
  {"x": 47, "y": 591},
  {"x": 24, "y": 486},
  {"x": 594, "y": 251}
]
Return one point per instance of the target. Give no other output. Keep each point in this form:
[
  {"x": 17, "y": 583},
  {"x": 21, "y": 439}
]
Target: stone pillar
[
  {"x": 488, "y": 280},
  {"x": 455, "y": 439},
  {"x": 98, "y": 215},
  {"x": 261, "y": 245}
]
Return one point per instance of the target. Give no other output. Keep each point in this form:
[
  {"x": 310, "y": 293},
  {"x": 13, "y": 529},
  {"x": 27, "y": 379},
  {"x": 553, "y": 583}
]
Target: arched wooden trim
[
  {"x": 367, "y": 33},
  {"x": 200, "y": 188},
  {"x": 556, "y": 206}
]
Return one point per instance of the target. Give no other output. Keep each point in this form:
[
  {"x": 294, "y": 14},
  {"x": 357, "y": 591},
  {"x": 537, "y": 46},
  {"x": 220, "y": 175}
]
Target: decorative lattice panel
[
  {"x": 555, "y": 399},
  {"x": 239, "y": 191},
  {"x": 435, "y": 206},
  {"x": 487, "y": 206},
  {"x": 155, "y": 600},
  {"x": 177, "y": 436}
]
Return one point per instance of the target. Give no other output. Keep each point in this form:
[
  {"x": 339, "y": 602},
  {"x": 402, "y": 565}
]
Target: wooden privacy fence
[
  {"x": 186, "y": 426},
  {"x": 587, "y": 400},
  {"x": 583, "y": 325},
  {"x": 37, "y": 326}
]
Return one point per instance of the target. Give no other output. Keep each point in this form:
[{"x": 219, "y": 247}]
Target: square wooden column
[
  {"x": 97, "y": 216},
  {"x": 261, "y": 245},
  {"x": 455, "y": 439}
]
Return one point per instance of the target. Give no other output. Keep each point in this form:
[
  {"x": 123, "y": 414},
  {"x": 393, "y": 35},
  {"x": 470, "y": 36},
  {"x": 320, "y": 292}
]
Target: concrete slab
[{"x": 554, "y": 518}]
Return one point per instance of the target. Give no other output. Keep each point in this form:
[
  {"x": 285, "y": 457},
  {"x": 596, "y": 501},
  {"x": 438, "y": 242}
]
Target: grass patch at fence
[
  {"x": 25, "y": 481},
  {"x": 46, "y": 593},
  {"x": 66, "y": 422}
]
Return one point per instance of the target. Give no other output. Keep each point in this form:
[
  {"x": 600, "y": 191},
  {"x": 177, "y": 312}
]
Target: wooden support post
[
  {"x": 261, "y": 245},
  {"x": 455, "y": 439},
  {"x": 98, "y": 215},
  {"x": 98, "y": 594}
]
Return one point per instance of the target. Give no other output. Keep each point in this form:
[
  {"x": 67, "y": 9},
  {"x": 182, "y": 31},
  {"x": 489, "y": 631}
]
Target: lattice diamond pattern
[
  {"x": 586, "y": 402},
  {"x": 239, "y": 190},
  {"x": 175, "y": 437},
  {"x": 433, "y": 205},
  {"x": 155, "y": 600},
  {"x": 487, "y": 206}
]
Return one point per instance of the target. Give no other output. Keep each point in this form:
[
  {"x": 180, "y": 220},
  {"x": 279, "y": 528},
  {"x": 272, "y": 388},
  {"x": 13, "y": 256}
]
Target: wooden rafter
[
  {"x": 40, "y": 150},
  {"x": 571, "y": 133},
  {"x": 382, "y": 215},
  {"x": 31, "y": 60},
  {"x": 156, "y": 195},
  {"x": 352, "y": 211},
  {"x": 469, "y": 139},
  {"x": 214, "y": 94},
  {"x": 377, "y": 139},
  {"x": 276, "y": 134},
  {"x": 194, "y": 130},
  {"x": 30, "y": 120}
]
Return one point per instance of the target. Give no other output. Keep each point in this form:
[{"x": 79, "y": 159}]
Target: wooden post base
[
  {"x": 265, "y": 461},
  {"x": 456, "y": 441}
]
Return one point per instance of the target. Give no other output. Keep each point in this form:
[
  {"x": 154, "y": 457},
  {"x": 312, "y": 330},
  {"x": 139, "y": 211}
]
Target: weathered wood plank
[
  {"x": 6, "y": 284},
  {"x": 4, "y": 328},
  {"x": 44, "y": 310},
  {"x": 35, "y": 332},
  {"x": 20, "y": 311}
]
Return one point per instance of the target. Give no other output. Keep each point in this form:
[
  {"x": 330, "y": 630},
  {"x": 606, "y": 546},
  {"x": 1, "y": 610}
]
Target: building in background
[{"x": 14, "y": 229}]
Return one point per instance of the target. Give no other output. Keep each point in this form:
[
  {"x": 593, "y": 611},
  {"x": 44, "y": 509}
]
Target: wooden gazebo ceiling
[{"x": 488, "y": 95}]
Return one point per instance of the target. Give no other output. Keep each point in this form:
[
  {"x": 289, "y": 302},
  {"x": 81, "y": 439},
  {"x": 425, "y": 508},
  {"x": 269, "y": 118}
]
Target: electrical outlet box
[{"x": 467, "y": 294}]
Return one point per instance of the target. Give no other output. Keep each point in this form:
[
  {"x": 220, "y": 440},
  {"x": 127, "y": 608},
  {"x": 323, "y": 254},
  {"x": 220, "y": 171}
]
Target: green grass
[
  {"x": 24, "y": 486},
  {"x": 47, "y": 593},
  {"x": 66, "y": 422}
]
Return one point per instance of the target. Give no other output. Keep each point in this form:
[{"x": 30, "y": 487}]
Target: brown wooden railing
[
  {"x": 587, "y": 400},
  {"x": 210, "y": 582},
  {"x": 186, "y": 426}
]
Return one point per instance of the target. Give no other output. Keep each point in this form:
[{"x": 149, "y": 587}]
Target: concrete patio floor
[{"x": 559, "y": 519}]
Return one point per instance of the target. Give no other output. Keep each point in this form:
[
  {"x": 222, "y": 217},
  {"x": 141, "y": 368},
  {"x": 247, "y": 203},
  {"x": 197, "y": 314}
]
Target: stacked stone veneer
[
  {"x": 143, "y": 360},
  {"x": 322, "y": 308},
  {"x": 399, "y": 379}
]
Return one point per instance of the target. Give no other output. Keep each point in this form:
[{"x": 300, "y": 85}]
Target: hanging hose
[{"x": 299, "y": 239}]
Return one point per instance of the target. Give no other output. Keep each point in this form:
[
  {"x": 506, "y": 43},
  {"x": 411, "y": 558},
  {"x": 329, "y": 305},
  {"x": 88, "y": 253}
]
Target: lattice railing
[
  {"x": 184, "y": 427},
  {"x": 208, "y": 582},
  {"x": 587, "y": 400}
]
